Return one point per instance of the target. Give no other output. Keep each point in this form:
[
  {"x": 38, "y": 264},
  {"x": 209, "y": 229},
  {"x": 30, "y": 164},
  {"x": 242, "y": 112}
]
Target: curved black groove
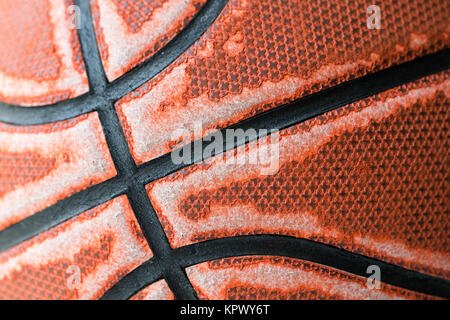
[
  {"x": 59, "y": 111},
  {"x": 89, "y": 47},
  {"x": 144, "y": 275},
  {"x": 60, "y": 212},
  {"x": 312, "y": 106},
  {"x": 157, "y": 240},
  {"x": 71, "y": 108},
  {"x": 164, "y": 57},
  {"x": 120, "y": 153},
  {"x": 131, "y": 180},
  {"x": 116, "y": 141},
  {"x": 278, "y": 118},
  {"x": 284, "y": 246}
]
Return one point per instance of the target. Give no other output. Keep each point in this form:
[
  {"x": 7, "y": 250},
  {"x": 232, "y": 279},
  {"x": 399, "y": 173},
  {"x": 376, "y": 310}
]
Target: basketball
[{"x": 224, "y": 150}]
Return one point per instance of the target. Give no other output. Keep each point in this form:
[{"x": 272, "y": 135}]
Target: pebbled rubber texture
[
  {"x": 278, "y": 278},
  {"x": 362, "y": 178},
  {"x": 79, "y": 259},
  {"x": 371, "y": 177},
  {"x": 40, "y": 58},
  {"x": 40, "y": 165},
  {"x": 249, "y": 61},
  {"x": 129, "y": 32}
]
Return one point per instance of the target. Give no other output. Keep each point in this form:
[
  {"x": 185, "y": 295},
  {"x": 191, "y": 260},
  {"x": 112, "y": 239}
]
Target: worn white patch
[
  {"x": 235, "y": 217},
  {"x": 213, "y": 282},
  {"x": 398, "y": 250},
  {"x": 80, "y": 153},
  {"x": 146, "y": 120},
  {"x": 124, "y": 46},
  {"x": 68, "y": 78},
  {"x": 126, "y": 252}
]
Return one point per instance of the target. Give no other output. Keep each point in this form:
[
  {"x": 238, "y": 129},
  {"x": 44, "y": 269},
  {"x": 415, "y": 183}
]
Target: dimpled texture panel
[
  {"x": 51, "y": 281},
  {"x": 136, "y": 13},
  {"x": 32, "y": 52},
  {"x": 372, "y": 177},
  {"x": 79, "y": 259},
  {"x": 18, "y": 169},
  {"x": 129, "y": 32},
  {"x": 43, "y": 164},
  {"x": 156, "y": 291},
  {"x": 277, "y": 278},
  {"x": 260, "y": 54},
  {"x": 40, "y": 56}
]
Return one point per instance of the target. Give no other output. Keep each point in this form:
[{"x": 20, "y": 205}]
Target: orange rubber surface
[
  {"x": 129, "y": 31},
  {"x": 371, "y": 177},
  {"x": 277, "y": 278},
  {"x": 259, "y": 54},
  {"x": 40, "y": 165},
  {"x": 79, "y": 259},
  {"x": 40, "y": 57}
]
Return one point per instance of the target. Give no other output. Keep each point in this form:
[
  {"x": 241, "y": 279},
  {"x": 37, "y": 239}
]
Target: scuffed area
[
  {"x": 40, "y": 54},
  {"x": 79, "y": 259},
  {"x": 40, "y": 165},
  {"x": 371, "y": 177},
  {"x": 277, "y": 278},
  {"x": 156, "y": 291},
  {"x": 129, "y": 32},
  {"x": 260, "y": 54}
]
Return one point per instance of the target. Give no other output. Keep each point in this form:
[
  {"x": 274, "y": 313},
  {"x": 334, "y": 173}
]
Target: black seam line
[
  {"x": 61, "y": 211},
  {"x": 89, "y": 47},
  {"x": 168, "y": 54},
  {"x": 123, "y": 160},
  {"x": 171, "y": 271},
  {"x": 147, "y": 273},
  {"x": 89, "y": 102},
  {"x": 282, "y": 246},
  {"x": 308, "y": 107},
  {"x": 116, "y": 141},
  {"x": 157, "y": 240},
  {"x": 112, "y": 129},
  {"x": 63, "y": 110},
  {"x": 281, "y": 117}
]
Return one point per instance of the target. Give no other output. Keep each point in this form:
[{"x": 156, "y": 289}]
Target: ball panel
[
  {"x": 72, "y": 155},
  {"x": 129, "y": 32},
  {"x": 79, "y": 259},
  {"x": 277, "y": 278},
  {"x": 370, "y": 177},
  {"x": 261, "y": 54}
]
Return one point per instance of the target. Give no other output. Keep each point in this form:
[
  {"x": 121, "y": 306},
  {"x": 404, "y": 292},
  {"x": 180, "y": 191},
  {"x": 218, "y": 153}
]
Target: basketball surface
[{"x": 214, "y": 149}]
